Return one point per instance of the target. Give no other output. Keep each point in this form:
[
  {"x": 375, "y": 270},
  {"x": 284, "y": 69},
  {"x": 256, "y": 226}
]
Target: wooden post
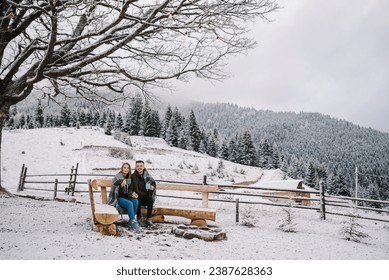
[
  {"x": 75, "y": 179},
  {"x": 21, "y": 178},
  {"x": 92, "y": 201},
  {"x": 356, "y": 185},
  {"x": 237, "y": 210},
  {"x": 205, "y": 194},
  {"x": 322, "y": 201},
  {"x": 55, "y": 189}
]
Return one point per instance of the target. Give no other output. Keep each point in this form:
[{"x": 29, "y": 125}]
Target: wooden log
[
  {"x": 106, "y": 229},
  {"x": 190, "y": 213},
  {"x": 106, "y": 214},
  {"x": 199, "y": 223},
  {"x": 158, "y": 219}
]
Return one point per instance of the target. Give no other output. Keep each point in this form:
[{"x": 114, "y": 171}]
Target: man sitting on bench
[{"x": 145, "y": 186}]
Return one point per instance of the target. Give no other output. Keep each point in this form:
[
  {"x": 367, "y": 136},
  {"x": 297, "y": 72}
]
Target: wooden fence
[{"x": 323, "y": 202}]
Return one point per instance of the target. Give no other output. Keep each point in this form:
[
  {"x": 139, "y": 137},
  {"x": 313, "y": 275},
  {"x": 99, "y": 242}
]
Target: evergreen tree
[
  {"x": 311, "y": 178},
  {"x": 223, "y": 152},
  {"x": 88, "y": 117},
  {"x": 119, "y": 123},
  {"x": 39, "y": 119},
  {"x": 82, "y": 118},
  {"x": 211, "y": 147},
  {"x": 194, "y": 132},
  {"x": 276, "y": 160},
  {"x": 102, "y": 119},
  {"x": 95, "y": 119},
  {"x": 65, "y": 115},
  {"x": 373, "y": 193},
  {"x": 172, "y": 134},
  {"x": 232, "y": 151},
  {"x": 22, "y": 121},
  {"x": 337, "y": 185},
  {"x": 146, "y": 124},
  {"x": 202, "y": 148},
  {"x": 57, "y": 121},
  {"x": 30, "y": 122},
  {"x": 248, "y": 154},
  {"x": 10, "y": 123},
  {"x": 49, "y": 120},
  {"x": 166, "y": 121},
  {"x": 264, "y": 155},
  {"x": 127, "y": 122},
  {"x": 156, "y": 124},
  {"x": 109, "y": 124},
  {"x": 135, "y": 115},
  {"x": 74, "y": 119}
]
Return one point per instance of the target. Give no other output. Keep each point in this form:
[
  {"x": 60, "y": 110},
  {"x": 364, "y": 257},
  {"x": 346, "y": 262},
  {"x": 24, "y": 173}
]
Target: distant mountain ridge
[{"x": 338, "y": 144}]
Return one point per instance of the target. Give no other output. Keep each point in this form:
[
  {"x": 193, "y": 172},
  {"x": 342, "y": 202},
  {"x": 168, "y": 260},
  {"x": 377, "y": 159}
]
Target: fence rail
[{"x": 296, "y": 195}]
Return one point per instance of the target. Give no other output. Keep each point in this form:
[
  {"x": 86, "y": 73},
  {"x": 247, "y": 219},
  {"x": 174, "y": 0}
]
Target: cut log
[
  {"x": 107, "y": 229},
  {"x": 106, "y": 214},
  {"x": 197, "y": 215},
  {"x": 199, "y": 223}
]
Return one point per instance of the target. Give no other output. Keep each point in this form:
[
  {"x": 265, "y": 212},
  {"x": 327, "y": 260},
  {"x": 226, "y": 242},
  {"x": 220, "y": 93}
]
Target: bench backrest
[
  {"x": 204, "y": 189},
  {"x": 103, "y": 184}
]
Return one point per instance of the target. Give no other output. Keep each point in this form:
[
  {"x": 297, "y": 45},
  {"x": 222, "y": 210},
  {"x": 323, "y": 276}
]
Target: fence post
[
  {"x": 237, "y": 210},
  {"x": 21, "y": 178},
  {"x": 55, "y": 189},
  {"x": 322, "y": 201},
  {"x": 205, "y": 194}
]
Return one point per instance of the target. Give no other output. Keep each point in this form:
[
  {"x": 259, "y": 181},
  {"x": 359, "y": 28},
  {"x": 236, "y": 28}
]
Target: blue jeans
[{"x": 130, "y": 205}]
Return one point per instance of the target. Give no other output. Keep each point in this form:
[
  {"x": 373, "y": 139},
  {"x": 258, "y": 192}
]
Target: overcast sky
[{"x": 326, "y": 56}]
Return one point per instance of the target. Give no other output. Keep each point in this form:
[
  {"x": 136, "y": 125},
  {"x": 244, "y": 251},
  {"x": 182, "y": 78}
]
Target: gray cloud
[{"x": 316, "y": 56}]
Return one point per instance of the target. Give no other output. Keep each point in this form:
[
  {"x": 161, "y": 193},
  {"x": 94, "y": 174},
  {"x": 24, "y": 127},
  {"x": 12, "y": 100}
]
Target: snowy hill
[
  {"x": 55, "y": 150},
  {"x": 34, "y": 229}
]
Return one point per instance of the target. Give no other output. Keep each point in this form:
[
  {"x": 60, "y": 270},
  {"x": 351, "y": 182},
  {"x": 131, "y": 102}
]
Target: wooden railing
[{"x": 320, "y": 201}]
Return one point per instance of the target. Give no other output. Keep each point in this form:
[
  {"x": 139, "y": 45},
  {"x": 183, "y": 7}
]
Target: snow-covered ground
[{"x": 45, "y": 229}]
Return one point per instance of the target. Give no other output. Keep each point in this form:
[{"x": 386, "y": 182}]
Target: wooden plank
[
  {"x": 182, "y": 187},
  {"x": 205, "y": 200},
  {"x": 104, "y": 195},
  {"x": 92, "y": 201},
  {"x": 102, "y": 183}
]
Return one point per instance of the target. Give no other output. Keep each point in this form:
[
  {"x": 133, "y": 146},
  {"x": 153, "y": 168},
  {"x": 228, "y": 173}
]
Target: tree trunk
[{"x": 4, "y": 110}]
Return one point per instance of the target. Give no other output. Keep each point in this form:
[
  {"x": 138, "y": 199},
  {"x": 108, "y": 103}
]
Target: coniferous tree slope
[
  {"x": 308, "y": 146},
  {"x": 336, "y": 145}
]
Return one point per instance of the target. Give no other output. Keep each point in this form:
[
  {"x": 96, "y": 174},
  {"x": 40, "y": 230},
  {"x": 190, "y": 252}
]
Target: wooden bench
[{"x": 105, "y": 215}]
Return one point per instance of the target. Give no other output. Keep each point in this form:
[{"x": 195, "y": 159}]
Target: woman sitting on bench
[{"x": 123, "y": 196}]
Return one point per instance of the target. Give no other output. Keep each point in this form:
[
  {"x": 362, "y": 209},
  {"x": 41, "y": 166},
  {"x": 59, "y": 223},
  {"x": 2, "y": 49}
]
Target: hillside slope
[
  {"x": 339, "y": 145},
  {"x": 35, "y": 229},
  {"x": 56, "y": 150}
]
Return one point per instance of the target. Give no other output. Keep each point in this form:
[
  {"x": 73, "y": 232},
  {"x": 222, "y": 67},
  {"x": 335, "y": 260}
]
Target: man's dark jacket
[{"x": 138, "y": 182}]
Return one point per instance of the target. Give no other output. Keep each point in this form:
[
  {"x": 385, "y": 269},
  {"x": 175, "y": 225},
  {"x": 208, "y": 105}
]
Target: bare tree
[{"x": 75, "y": 47}]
